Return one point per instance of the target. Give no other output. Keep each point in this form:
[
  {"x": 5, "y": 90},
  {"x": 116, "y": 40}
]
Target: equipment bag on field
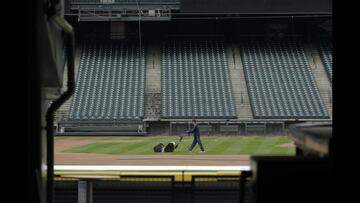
[
  {"x": 170, "y": 147},
  {"x": 159, "y": 147}
]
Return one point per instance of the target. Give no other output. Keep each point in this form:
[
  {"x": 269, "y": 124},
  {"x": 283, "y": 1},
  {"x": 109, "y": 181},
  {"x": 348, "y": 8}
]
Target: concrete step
[
  {"x": 153, "y": 73},
  {"x": 238, "y": 83},
  {"x": 320, "y": 76},
  {"x": 152, "y": 104}
]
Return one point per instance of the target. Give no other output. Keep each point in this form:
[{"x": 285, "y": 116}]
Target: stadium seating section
[
  {"x": 110, "y": 83},
  {"x": 280, "y": 81},
  {"x": 325, "y": 49},
  {"x": 195, "y": 81}
]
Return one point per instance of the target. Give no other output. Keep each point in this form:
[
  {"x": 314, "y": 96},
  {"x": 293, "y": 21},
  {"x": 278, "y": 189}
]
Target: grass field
[{"x": 278, "y": 145}]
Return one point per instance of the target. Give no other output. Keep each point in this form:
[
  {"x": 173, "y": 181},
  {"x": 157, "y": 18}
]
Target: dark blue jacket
[{"x": 195, "y": 130}]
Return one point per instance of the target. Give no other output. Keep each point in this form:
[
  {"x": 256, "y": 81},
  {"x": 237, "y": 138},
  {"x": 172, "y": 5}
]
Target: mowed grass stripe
[
  {"x": 213, "y": 145},
  {"x": 224, "y": 147},
  {"x": 266, "y": 145},
  {"x": 100, "y": 138},
  {"x": 282, "y": 150},
  {"x": 116, "y": 148},
  {"x": 123, "y": 148},
  {"x": 239, "y": 145},
  {"x": 145, "y": 148},
  {"x": 90, "y": 148},
  {"x": 108, "y": 147},
  {"x": 248, "y": 145}
]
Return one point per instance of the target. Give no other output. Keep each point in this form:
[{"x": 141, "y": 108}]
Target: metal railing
[{"x": 233, "y": 188}]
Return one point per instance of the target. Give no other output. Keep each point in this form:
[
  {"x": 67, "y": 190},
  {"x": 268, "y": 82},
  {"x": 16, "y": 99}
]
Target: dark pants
[{"x": 196, "y": 140}]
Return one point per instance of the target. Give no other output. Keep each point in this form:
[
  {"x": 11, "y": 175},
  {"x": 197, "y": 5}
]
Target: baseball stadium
[{"x": 182, "y": 101}]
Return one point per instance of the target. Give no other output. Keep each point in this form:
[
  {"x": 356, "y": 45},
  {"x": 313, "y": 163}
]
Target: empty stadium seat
[
  {"x": 325, "y": 49},
  {"x": 280, "y": 81},
  {"x": 195, "y": 80},
  {"x": 110, "y": 83}
]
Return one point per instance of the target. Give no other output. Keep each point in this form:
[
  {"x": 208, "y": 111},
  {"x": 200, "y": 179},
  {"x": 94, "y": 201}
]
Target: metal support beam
[
  {"x": 242, "y": 184},
  {"x": 265, "y": 128},
  {"x": 246, "y": 132},
  {"x": 283, "y": 128},
  {"x": 170, "y": 128},
  {"x": 85, "y": 192},
  {"x": 209, "y": 127}
]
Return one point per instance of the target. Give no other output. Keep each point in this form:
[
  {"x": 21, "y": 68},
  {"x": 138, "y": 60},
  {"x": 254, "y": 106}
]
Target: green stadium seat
[
  {"x": 109, "y": 73},
  {"x": 195, "y": 79},
  {"x": 278, "y": 76}
]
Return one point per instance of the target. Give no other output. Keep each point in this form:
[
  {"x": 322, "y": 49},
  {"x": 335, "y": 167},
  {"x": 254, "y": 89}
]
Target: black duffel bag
[
  {"x": 159, "y": 147},
  {"x": 170, "y": 147}
]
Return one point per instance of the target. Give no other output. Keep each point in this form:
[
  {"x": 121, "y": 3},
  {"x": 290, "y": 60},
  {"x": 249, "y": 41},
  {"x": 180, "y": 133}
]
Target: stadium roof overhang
[
  {"x": 166, "y": 11},
  {"x": 123, "y": 11}
]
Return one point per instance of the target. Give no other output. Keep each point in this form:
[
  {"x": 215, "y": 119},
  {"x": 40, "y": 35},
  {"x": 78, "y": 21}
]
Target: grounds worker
[{"x": 196, "y": 132}]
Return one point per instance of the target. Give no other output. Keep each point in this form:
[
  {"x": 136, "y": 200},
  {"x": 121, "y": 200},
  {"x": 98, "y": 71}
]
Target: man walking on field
[{"x": 196, "y": 132}]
